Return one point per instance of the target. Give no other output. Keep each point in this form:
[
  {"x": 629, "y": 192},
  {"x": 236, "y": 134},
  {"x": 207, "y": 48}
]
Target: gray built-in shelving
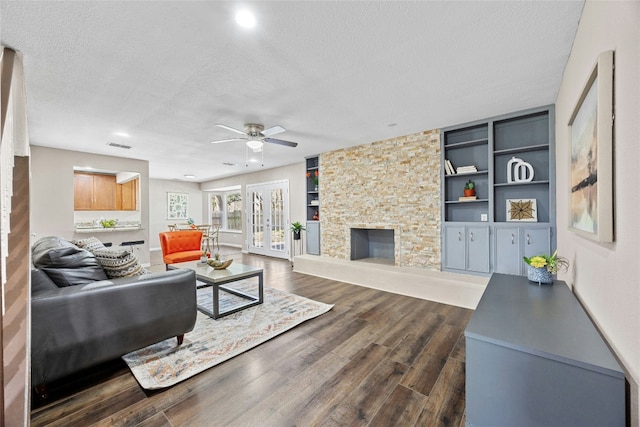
[
  {"x": 477, "y": 236},
  {"x": 313, "y": 206}
]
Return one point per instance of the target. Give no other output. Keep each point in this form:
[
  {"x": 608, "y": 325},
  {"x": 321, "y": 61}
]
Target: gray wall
[{"x": 52, "y": 195}]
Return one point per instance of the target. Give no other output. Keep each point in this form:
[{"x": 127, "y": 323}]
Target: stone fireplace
[
  {"x": 389, "y": 185},
  {"x": 373, "y": 244}
]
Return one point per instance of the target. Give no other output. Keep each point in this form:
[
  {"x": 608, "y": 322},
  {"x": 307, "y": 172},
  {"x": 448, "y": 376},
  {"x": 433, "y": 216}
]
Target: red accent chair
[{"x": 181, "y": 246}]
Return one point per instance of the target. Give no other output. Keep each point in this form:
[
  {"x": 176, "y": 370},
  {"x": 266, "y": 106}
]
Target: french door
[{"x": 268, "y": 219}]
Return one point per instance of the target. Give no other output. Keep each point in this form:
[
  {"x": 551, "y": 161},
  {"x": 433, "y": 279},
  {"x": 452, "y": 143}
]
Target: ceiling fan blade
[
  {"x": 281, "y": 142},
  {"x": 228, "y": 140},
  {"x": 231, "y": 129},
  {"x": 273, "y": 131}
]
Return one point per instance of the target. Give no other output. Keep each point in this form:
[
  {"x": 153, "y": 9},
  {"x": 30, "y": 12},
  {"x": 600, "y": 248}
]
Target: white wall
[
  {"x": 606, "y": 277},
  {"x": 52, "y": 212},
  {"x": 158, "y": 221}
]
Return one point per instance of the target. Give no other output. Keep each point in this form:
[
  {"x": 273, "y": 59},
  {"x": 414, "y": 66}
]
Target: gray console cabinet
[{"x": 534, "y": 358}]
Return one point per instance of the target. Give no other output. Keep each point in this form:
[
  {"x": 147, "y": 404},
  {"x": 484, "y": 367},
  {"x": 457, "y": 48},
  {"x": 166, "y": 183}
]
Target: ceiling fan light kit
[
  {"x": 253, "y": 156},
  {"x": 255, "y": 144},
  {"x": 255, "y": 135}
]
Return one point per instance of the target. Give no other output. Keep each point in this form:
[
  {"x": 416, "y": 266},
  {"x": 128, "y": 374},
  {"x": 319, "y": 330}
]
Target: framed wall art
[
  {"x": 591, "y": 142},
  {"x": 177, "y": 205},
  {"x": 525, "y": 210}
]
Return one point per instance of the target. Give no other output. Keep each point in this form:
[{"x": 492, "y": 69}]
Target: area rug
[{"x": 213, "y": 341}]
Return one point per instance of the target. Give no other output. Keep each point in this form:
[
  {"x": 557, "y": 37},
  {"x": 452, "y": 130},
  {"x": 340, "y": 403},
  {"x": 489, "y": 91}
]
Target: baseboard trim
[{"x": 440, "y": 286}]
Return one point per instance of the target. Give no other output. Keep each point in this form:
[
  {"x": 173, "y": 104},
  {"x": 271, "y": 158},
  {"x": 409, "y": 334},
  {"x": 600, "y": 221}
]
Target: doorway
[{"x": 268, "y": 219}]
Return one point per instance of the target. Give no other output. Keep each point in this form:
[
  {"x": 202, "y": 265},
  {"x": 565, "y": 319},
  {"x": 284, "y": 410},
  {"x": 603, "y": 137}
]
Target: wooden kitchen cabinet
[
  {"x": 127, "y": 196},
  {"x": 101, "y": 192}
]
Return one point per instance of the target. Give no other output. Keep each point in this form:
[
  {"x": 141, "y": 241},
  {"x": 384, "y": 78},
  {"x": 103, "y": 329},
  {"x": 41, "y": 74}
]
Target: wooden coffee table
[{"x": 216, "y": 278}]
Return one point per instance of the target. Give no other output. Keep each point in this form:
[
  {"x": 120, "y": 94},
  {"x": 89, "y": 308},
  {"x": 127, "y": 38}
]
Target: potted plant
[
  {"x": 296, "y": 227},
  {"x": 469, "y": 189},
  {"x": 541, "y": 268}
]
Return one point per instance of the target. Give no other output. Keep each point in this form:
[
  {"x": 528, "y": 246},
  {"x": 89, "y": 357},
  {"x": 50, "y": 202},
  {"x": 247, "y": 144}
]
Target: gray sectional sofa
[{"x": 80, "y": 317}]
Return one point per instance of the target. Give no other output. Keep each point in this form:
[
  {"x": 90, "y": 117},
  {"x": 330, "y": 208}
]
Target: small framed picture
[
  {"x": 177, "y": 205},
  {"x": 522, "y": 210}
]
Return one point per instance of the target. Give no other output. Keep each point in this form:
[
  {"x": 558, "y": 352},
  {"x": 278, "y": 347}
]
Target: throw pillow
[
  {"x": 65, "y": 263},
  {"x": 119, "y": 263},
  {"x": 90, "y": 243}
]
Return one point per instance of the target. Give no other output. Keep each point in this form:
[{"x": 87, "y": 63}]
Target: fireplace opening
[{"x": 374, "y": 245}]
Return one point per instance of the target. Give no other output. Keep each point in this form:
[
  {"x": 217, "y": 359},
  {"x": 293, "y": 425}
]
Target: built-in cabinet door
[
  {"x": 478, "y": 249},
  {"x": 455, "y": 247},
  {"x": 94, "y": 192},
  {"x": 104, "y": 192},
  {"x": 507, "y": 244},
  {"x": 82, "y": 191},
  {"x": 127, "y": 196},
  {"x": 536, "y": 241},
  {"x": 313, "y": 237}
]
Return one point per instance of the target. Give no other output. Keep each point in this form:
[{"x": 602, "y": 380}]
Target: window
[{"x": 226, "y": 209}]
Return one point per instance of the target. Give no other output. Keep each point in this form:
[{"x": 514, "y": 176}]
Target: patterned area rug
[{"x": 213, "y": 341}]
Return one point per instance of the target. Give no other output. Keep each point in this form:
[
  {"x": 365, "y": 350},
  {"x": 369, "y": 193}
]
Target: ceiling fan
[{"x": 256, "y": 135}]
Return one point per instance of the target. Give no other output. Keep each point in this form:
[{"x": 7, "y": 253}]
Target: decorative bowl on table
[{"x": 219, "y": 264}]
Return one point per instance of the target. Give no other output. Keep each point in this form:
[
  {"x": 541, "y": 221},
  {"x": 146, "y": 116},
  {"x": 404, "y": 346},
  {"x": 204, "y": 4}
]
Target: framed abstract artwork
[
  {"x": 525, "y": 210},
  {"x": 177, "y": 205},
  {"x": 591, "y": 142}
]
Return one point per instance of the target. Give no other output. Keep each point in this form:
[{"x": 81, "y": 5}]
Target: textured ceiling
[{"x": 334, "y": 74}]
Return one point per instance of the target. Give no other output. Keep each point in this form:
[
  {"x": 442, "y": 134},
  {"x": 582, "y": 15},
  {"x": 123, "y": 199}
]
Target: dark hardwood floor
[{"x": 375, "y": 359}]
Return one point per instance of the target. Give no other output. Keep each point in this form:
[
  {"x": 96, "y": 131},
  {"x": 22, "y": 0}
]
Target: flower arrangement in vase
[{"x": 541, "y": 268}]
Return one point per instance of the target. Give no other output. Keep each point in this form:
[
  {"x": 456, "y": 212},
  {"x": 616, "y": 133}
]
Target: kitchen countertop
[{"x": 89, "y": 227}]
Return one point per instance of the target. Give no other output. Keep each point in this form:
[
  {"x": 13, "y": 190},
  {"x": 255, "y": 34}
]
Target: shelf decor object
[
  {"x": 522, "y": 210},
  {"x": 519, "y": 171},
  {"x": 591, "y": 130}
]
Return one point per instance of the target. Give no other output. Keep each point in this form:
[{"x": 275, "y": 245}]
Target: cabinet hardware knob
[
  {"x": 528, "y": 239},
  {"x": 471, "y": 234},
  {"x": 513, "y": 239},
  {"x": 459, "y": 236}
]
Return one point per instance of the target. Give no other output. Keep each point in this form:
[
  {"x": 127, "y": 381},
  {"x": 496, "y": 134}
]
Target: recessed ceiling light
[
  {"x": 190, "y": 176},
  {"x": 122, "y": 134},
  {"x": 245, "y": 18}
]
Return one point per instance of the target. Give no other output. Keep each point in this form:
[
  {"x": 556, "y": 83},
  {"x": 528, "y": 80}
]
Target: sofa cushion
[
  {"x": 119, "y": 263},
  {"x": 90, "y": 244},
  {"x": 41, "y": 282},
  {"x": 65, "y": 263}
]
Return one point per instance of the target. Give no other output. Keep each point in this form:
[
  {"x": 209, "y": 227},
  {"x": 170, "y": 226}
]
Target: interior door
[{"x": 268, "y": 217}]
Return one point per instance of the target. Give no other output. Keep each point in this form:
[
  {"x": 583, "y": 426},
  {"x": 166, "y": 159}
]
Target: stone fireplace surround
[{"x": 390, "y": 184}]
